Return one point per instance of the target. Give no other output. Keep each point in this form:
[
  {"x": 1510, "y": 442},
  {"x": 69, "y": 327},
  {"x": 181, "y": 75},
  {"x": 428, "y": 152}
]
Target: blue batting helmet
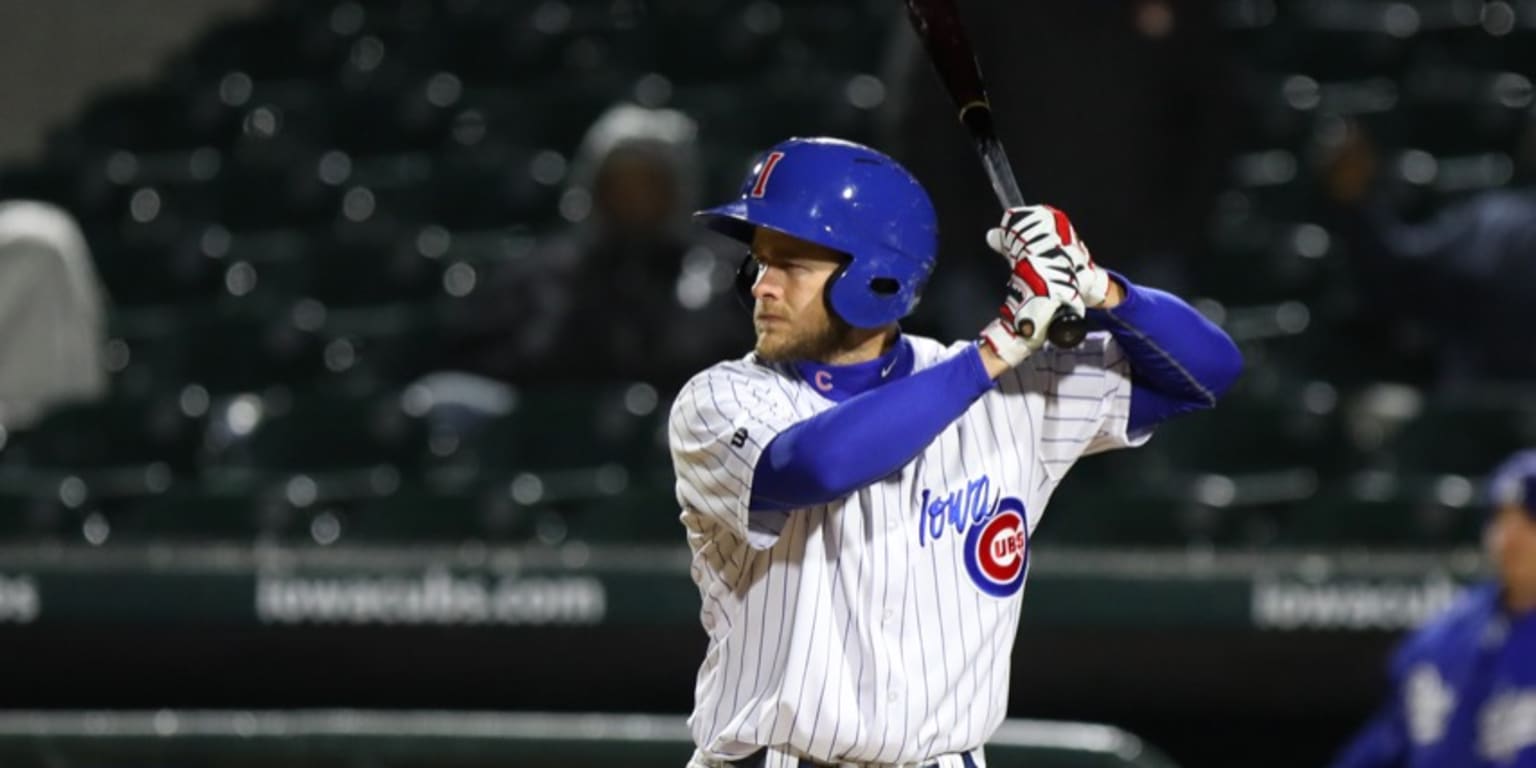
[
  {"x": 1514, "y": 482},
  {"x": 854, "y": 200}
]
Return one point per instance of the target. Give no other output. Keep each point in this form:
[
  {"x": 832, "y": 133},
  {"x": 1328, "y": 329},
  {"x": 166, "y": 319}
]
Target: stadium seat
[
  {"x": 576, "y": 428},
  {"x": 1456, "y": 436},
  {"x": 1456, "y": 111},
  {"x": 624, "y": 513},
  {"x": 112, "y": 434},
  {"x": 1108, "y": 519},
  {"x": 418, "y": 514},
  {"x": 372, "y": 263},
  {"x": 536, "y": 116},
  {"x": 1355, "y": 39},
  {"x": 198, "y": 511},
  {"x": 250, "y": 347},
  {"x": 155, "y": 267},
  {"x": 380, "y": 347},
  {"x": 219, "y": 348},
  {"x": 140, "y": 353},
  {"x": 312, "y": 50},
  {"x": 1381, "y": 509},
  {"x": 318, "y": 433},
  {"x": 271, "y": 185},
  {"x": 141, "y": 118},
  {"x": 35, "y": 507},
  {"x": 1251, "y": 435},
  {"x": 1254, "y": 260},
  {"x": 495, "y": 188}
]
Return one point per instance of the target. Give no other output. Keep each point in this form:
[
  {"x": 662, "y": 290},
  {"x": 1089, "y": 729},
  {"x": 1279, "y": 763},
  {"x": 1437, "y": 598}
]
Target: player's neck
[
  {"x": 864, "y": 346},
  {"x": 1519, "y": 601}
]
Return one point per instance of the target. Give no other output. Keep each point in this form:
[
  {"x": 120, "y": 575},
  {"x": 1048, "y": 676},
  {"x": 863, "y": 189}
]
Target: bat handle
[{"x": 1068, "y": 329}]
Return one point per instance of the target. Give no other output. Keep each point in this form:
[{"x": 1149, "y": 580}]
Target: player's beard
[{"x": 819, "y": 342}]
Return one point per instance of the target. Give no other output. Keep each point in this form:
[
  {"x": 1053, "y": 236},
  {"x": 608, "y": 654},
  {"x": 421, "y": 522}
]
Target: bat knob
[{"x": 1068, "y": 329}]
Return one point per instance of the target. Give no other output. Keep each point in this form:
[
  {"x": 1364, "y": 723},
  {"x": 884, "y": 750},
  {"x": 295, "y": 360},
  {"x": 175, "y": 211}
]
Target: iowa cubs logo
[
  {"x": 995, "y": 531},
  {"x": 997, "y": 551}
]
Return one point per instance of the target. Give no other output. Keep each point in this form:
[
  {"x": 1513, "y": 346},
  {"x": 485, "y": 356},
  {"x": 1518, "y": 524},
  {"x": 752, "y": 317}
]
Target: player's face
[
  {"x": 636, "y": 194},
  {"x": 790, "y": 312},
  {"x": 1511, "y": 539}
]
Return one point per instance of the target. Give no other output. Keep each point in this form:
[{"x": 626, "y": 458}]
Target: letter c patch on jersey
[
  {"x": 997, "y": 550},
  {"x": 769, "y": 163}
]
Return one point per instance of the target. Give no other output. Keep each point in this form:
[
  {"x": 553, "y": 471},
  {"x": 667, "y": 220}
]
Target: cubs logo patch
[{"x": 997, "y": 550}]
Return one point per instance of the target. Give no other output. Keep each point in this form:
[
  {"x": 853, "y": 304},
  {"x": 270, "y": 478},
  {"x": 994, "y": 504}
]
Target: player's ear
[{"x": 746, "y": 277}]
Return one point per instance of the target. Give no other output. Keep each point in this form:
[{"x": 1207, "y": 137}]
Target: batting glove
[
  {"x": 1021, "y": 327},
  {"x": 1044, "y": 238}
]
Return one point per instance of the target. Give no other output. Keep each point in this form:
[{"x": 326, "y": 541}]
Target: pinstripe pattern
[{"x": 848, "y": 632}]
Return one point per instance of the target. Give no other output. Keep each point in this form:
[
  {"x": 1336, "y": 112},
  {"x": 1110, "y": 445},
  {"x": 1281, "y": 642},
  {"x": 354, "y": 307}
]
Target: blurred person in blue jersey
[
  {"x": 629, "y": 278},
  {"x": 1464, "y": 685}
]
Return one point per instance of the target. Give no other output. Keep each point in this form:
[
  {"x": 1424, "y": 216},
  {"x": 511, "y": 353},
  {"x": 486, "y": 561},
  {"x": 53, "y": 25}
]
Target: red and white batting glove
[
  {"x": 1043, "y": 238},
  {"x": 1023, "y": 321}
]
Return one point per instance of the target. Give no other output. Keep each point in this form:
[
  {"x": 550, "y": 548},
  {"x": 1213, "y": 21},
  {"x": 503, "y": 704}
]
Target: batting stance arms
[
  {"x": 1179, "y": 362},
  {"x": 859, "y": 502}
]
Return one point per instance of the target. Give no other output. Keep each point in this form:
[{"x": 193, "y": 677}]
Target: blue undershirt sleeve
[
  {"x": 1180, "y": 361},
  {"x": 865, "y": 437}
]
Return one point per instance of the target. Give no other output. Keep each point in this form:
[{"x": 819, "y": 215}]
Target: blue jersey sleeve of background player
[
  {"x": 1382, "y": 743},
  {"x": 1180, "y": 362},
  {"x": 1491, "y": 688}
]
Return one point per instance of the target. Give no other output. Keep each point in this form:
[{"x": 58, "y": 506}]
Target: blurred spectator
[
  {"x": 1464, "y": 686},
  {"x": 632, "y": 290},
  {"x": 1450, "y": 299},
  {"x": 1116, "y": 112},
  {"x": 51, "y": 313}
]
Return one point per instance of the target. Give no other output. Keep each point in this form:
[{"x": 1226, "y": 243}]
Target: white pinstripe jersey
[{"x": 877, "y": 628}]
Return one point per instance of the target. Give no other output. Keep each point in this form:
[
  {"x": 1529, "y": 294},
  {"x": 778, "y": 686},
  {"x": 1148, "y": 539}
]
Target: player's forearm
[
  {"x": 866, "y": 437},
  {"x": 1179, "y": 360},
  {"x": 994, "y": 364},
  {"x": 1115, "y": 295}
]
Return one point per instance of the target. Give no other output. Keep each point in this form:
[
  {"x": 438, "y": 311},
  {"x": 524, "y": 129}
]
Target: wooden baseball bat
[{"x": 938, "y": 25}]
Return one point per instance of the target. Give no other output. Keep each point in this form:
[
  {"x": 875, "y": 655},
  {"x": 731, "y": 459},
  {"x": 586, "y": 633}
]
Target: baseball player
[
  {"x": 859, "y": 501},
  {"x": 1464, "y": 685}
]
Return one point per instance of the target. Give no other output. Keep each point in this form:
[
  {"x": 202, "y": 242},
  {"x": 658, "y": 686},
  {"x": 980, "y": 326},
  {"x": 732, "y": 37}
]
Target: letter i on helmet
[{"x": 854, "y": 200}]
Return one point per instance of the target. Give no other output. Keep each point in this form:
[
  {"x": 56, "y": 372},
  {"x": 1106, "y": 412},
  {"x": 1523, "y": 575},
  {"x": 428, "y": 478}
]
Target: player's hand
[
  {"x": 1024, "y": 320},
  {"x": 1044, "y": 238}
]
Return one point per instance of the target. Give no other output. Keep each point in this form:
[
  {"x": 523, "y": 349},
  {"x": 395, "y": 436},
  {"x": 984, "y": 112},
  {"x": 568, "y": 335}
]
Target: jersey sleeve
[
  {"x": 720, "y": 424},
  {"x": 1087, "y": 393},
  {"x": 1381, "y": 743}
]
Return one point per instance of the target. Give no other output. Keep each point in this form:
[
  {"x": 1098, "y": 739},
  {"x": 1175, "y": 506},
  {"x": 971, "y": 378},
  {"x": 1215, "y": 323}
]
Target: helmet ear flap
[
  {"x": 829, "y": 291},
  {"x": 870, "y": 293}
]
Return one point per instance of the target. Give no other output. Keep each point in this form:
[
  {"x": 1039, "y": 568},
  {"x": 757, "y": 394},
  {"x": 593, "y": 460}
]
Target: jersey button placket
[{"x": 898, "y": 550}]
